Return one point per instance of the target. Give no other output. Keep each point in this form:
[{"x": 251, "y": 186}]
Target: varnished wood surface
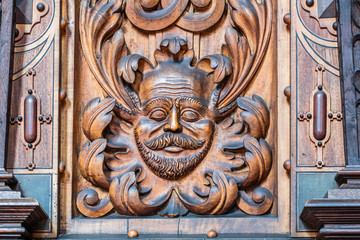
[
  {"x": 202, "y": 44},
  {"x": 305, "y": 78},
  {"x": 348, "y": 15},
  {"x": 6, "y": 63}
]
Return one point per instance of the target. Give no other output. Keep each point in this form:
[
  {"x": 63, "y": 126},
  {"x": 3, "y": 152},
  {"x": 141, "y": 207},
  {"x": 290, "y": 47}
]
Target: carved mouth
[
  {"x": 173, "y": 149},
  {"x": 172, "y": 168}
]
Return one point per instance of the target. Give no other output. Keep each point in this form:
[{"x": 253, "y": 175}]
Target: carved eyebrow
[
  {"x": 163, "y": 101},
  {"x": 189, "y": 100}
]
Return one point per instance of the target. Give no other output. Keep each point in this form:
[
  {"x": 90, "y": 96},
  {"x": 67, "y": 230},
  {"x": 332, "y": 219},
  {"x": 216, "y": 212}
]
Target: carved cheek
[
  {"x": 147, "y": 128},
  {"x": 201, "y": 129}
]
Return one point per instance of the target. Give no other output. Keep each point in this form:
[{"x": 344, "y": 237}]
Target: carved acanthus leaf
[
  {"x": 255, "y": 114},
  {"x": 259, "y": 161},
  {"x": 222, "y": 197},
  {"x": 246, "y": 51},
  {"x": 125, "y": 195},
  {"x": 104, "y": 45},
  {"x": 258, "y": 202},
  {"x": 90, "y": 205},
  {"x": 91, "y": 161},
  {"x": 97, "y": 117}
]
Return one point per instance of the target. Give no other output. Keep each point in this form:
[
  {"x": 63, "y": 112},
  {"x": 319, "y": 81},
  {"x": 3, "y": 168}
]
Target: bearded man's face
[{"x": 174, "y": 131}]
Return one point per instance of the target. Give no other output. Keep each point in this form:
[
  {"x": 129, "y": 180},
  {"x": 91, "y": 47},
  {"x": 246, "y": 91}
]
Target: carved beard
[{"x": 173, "y": 168}]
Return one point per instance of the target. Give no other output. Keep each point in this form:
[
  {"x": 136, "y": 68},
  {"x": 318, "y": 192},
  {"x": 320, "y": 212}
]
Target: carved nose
[{"x": 173, "y": 124}]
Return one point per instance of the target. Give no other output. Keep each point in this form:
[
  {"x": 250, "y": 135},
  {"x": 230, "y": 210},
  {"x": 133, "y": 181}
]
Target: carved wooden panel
[
  {"x": 161, "y": 142},
  {"x": 317, "y": 115},
  {"x": 175, "y": 114},
  {"x": 33, "y": 144}
]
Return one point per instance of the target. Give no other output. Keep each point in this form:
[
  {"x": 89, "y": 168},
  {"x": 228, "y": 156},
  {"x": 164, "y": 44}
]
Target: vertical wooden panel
[
  {"x": 36, "y": 75},
  {"x": 6, "y": 48},
  {"x": 347, "y": 15},
  {"x": 313, "y": 44}
]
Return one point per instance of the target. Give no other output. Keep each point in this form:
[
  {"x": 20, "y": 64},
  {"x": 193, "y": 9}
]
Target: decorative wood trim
[
  {"x": 347, "y": 68},
  {"x": 17, "y": 216},
  {"x": 6, "y": 46},
  {"x": 331, "y": 211}
]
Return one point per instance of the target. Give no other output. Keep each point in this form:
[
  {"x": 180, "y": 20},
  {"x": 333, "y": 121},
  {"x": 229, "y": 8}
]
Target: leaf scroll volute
[
  {"x": 90, "y": 205},
  {"x": 97, "y": 117},
  {"x": 258, "y": 202},
  {"x": 258, "y": 159},
  {"x": 91, "y": 161},
  {"x": 255, "y": 114},
  {"x": 125, "y": 196},
  {"x": 220, "y": 66},
  {"x": 222, "y": 197},
  {"x": 247, "y": 49}
]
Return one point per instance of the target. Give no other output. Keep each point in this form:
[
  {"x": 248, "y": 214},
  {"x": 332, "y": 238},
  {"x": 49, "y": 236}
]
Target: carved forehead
[{"x": 174, "y": 81}]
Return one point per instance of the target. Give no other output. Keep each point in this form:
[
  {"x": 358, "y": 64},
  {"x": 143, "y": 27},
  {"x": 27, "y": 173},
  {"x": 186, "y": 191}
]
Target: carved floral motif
[{"x": 163, "y": 140}]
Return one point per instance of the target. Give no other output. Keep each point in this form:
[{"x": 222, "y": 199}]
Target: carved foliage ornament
[{"x": 162, "y": 141}]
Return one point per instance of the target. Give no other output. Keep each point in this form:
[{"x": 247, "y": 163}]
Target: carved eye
[
  {"x": 158, "y": 115},
  {"x": 190, "y": 115}
]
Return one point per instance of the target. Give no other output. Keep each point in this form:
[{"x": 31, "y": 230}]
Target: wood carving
[
  {"x": 163, "y": 140},
  {"x": 30, "y": 120},
  {"x": 320, "y": 116}
]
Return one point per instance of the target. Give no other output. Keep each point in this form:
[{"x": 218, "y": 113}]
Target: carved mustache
[{"x": 170, "y": 139}]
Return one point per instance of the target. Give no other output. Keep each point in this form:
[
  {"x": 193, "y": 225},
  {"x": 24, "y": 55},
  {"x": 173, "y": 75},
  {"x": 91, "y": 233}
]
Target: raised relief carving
[
  {"x": 320, "y": 115},
  {"x": 164, "y": 140},
  {"x": 30, "y": 120}
]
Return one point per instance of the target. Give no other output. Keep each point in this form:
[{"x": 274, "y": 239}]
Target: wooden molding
[
  {"x": 17, "y": 216},
  {"x": 320, "y": 212}
]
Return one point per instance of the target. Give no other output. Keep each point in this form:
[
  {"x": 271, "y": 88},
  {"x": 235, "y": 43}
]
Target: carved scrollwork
[
  {"x": 162, "y": 141},
  {"x": 174, "y": 12}
]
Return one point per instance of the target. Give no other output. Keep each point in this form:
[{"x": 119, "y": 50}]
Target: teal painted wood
[{"x": 311, "y": 186}]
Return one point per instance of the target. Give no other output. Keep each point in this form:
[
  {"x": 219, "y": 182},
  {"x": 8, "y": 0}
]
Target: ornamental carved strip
[{"x": 163, "y": 141}]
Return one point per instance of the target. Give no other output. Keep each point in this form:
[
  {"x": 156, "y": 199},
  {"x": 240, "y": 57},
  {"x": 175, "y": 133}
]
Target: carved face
[
  {"x": 175, "y": 129},
  {"x": 164, "y": 140}
]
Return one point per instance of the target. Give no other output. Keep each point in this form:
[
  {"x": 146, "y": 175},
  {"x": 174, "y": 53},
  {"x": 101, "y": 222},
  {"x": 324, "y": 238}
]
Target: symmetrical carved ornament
[
  {"x": 30, "y": 120},
  {"x": 320, "y": 115},
  {"x": 164, "y": 141}
]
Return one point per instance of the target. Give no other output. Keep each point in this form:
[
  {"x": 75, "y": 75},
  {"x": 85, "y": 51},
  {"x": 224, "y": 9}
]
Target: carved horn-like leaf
[
  {"x": 255, "y": 114},
  {"x": 259, "y": 161},
  {"x": 221, "y": 198},
  {"x": 90, "y": 205},
  {"x": 132, "y": 63},
  {"x": 126, "y": 199},
  {"x": 246, "y": 50},
  {"x": 259, "y": 202},
  {"x": 91, "y": 161},
  {"x": 218, "y": 64},
  {"x": 97, "y": 117},
  {"x": 221, "y": 67}
]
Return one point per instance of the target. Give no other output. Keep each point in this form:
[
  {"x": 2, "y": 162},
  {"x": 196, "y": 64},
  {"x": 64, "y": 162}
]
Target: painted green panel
[
  {"x": 37, "y": 186},
  {"x": 311, "y": 186}
]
